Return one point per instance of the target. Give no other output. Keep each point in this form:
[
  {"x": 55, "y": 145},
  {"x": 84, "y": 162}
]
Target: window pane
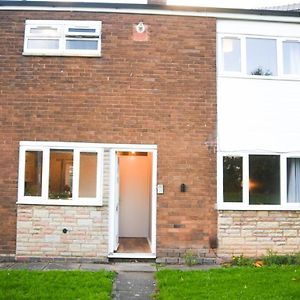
[
  {"x": 61, "y": 174},
  {"x": 84, "y": 30},
  {"x": 232, "y": 179},
  {"x": 33, "y": 173},
  {"x": 88, "y": 175},
  {"x": 264, "y": 179},
  {"x": 291, "y": 57},
  {"x": 293, "y": 180},
  {"x": 261, "y": 57},
  {"x": 231, "y": 54},
  {"x": 44, "y": 31},
  {"x": 82, "y": 45},
  {"x": 42, "y": 44}
]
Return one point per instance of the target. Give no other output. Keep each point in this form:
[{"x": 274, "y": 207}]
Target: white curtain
[
  {"x": 291, "y": 53},
  {"x": 293, "y": 180}
]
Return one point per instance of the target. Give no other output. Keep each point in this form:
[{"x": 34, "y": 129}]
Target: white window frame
[
  {"x": 44, "y": 199},
  {"x": 243, "y": 72},
  {"x": 244, "y": 205},
  {"x": 62, "y": 36}
]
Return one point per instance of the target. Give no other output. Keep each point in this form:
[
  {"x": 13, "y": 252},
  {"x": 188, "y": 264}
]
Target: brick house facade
[
  {"x": 137, "y": 92},
  {"x": 170, "y": 90}
]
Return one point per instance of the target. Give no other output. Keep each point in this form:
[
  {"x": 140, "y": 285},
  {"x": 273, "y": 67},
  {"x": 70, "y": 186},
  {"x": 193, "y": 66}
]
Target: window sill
[
  {"x": 258, "y": 77},
  {"x": 231, "y": 206},
  {"x": 60, "y": 203},
  {"x": 80, "y": 54}
]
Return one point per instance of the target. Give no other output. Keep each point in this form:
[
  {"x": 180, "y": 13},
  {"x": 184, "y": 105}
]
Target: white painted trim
[
  {"x": 218, "y": 15},
  {"x": 111, "y": 207},
  {"x": 61, "y": 145},
  {"x": 154, "y": 202},
  {"x": 258, "y": 207},
  {"x": 113, "y": 151},
  {"x": 131, "y": 255},
  {"x": 60, "y": 202},
  {"x": 245, "y": 180},
  {"x": 236, "y": 75},
  {"x": 283, "y": 180}
]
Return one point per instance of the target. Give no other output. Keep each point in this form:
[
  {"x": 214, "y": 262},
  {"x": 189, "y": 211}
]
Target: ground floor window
[
  {"x": 60, "y": 173},
  {"x": 258, "y": 181}
]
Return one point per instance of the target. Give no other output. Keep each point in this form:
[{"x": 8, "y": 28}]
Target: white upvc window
[
  {"x": 59, "y": 38},
  {"x": 258, "y": 181},
  {"x": 255, "y": 56},
  {"x": 56, "y": 174}
]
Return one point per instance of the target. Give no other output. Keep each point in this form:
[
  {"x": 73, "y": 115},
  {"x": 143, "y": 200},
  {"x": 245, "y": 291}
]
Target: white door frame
[{"x": 112, "y": 174}]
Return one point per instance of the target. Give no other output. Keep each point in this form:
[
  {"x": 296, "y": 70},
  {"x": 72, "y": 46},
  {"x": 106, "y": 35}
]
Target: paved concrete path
[{"x": 134, "y": 285}]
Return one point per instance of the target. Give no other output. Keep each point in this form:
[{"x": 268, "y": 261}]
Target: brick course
[
  {"x": 162, "y": 91},
  {"x": 252, "y": 233}
]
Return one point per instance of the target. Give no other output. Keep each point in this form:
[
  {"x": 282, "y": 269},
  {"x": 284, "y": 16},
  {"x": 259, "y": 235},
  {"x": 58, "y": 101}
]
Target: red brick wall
[{"x": 161, "y": 91}]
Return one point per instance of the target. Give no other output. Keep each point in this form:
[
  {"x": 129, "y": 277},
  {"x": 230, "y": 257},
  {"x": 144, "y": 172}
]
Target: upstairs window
[
  {"x": 70, "y": 38},
  {"x": 253, "y": 56},
  {"x": 291, "y": 57},
  {"x": 231, "y": 48},
  {"x": 261, "y": 57}
]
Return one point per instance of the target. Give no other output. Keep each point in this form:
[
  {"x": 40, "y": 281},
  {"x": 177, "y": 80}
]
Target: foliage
[
  {"x": 272, "y": 258},
  {"x": 242, "y": 261},
  {"x": 55, "y": 285},
  {"x": 190, "y": 258},
  {"x": 261, "y": 72},
  {"x": 62, "y": 195},
  {"x": 276, "y": 283}
]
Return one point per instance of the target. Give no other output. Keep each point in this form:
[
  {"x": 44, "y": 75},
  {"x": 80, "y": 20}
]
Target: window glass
[
  {"x": 61, "y": 174},
  {"x": 264, "y": 179},
  {"x": 291, "y": 57},
  {"x": 81, "y": 44},
  {"x": 231, "y": 48},
  {"x": 232, "y": 179},
  {"x": 33, "y": 173},
  {"x": 293, "y": 180},
  {"x": 42, "y": 44},
  {"x": 44, "y": 30},
  {"x": 88, "y": 175},
  {"x": 261, "y": 57},
  {"x": 84, "y": 30}
]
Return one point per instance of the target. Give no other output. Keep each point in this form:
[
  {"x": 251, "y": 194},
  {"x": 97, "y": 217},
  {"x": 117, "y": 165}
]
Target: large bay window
[
  {"x": 258, "y": 181},
  {"x": 60, "y": 174}
]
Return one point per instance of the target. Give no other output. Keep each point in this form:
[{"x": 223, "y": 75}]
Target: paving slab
[
  {"x": 6, "y": 265},
  {"x": 95, "y": 267},
  {"x": 134, "y": 285},
  {"x": 62, "y": 266},
  {"x": 133, "y": 267},
  {"x": 28, "y": 266}
]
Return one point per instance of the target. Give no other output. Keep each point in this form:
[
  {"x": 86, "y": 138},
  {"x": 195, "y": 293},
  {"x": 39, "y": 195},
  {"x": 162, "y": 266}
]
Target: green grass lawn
[
  {"x": 56, "y": 285},
  {"x": 281, "y": 282}
]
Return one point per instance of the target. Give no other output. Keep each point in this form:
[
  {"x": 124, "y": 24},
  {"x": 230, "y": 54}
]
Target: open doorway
[{"x": 133, "y": 204}]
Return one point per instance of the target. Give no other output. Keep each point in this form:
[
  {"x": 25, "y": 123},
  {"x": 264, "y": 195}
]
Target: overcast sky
[{"x": 232, "y": 3}]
